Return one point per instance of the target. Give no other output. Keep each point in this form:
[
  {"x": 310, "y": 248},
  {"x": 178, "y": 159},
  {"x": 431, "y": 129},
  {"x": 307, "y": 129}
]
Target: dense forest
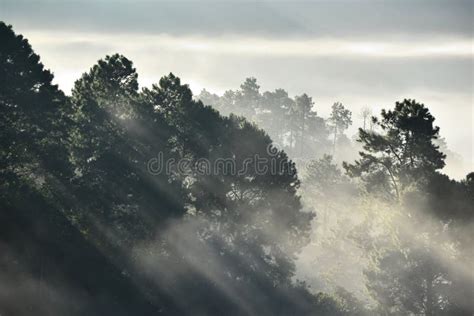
[{"x": 319, "y": 224}]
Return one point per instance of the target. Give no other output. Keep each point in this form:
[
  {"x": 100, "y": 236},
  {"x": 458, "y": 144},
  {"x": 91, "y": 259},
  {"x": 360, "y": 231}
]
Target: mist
[{"x": 267, "y": 165}]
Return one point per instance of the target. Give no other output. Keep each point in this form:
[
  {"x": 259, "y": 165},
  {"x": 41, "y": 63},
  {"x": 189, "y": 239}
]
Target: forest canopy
[{"x": 294, "y": 217}]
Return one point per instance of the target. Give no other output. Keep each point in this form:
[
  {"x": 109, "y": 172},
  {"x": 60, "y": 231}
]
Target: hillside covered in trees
[{"x": 263, "y": 207}]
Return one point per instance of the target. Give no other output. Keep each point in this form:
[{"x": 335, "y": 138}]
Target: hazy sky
[{"x": 362, "y": 53}]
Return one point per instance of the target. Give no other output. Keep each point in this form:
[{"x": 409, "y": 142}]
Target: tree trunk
[{"x": 302, "y": 137}]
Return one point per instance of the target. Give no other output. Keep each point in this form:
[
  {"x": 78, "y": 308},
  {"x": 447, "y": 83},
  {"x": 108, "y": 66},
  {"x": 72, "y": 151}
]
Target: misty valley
[{"x": 118, "y": 199}]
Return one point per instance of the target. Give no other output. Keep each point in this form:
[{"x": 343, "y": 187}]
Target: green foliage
[
  {"x": 291, "y": 122},
  {"x": 86, "y": 228},
  {"x": 340, "y": 119},
  {"x": 413, "y": 283},
  {"x": 114, "y": 132},
  {"x": 82, "y": 162},
  {"x": 401, "y": 153},
  {"x": 262, "y": 203},
  {"x": 32, "y": 112},
  {"x": 47, "y": 266},
  {"x": 324, "y": 176}
]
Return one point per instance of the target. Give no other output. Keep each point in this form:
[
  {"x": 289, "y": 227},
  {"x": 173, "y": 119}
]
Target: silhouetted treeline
[
  {"x": 89, "y": 228},
  {"x": 292, "y": 123},
  {"x": 406, "y": 227}
]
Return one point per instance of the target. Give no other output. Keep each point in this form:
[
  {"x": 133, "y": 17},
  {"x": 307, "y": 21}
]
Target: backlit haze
[{"x": 360, "y": 53}]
